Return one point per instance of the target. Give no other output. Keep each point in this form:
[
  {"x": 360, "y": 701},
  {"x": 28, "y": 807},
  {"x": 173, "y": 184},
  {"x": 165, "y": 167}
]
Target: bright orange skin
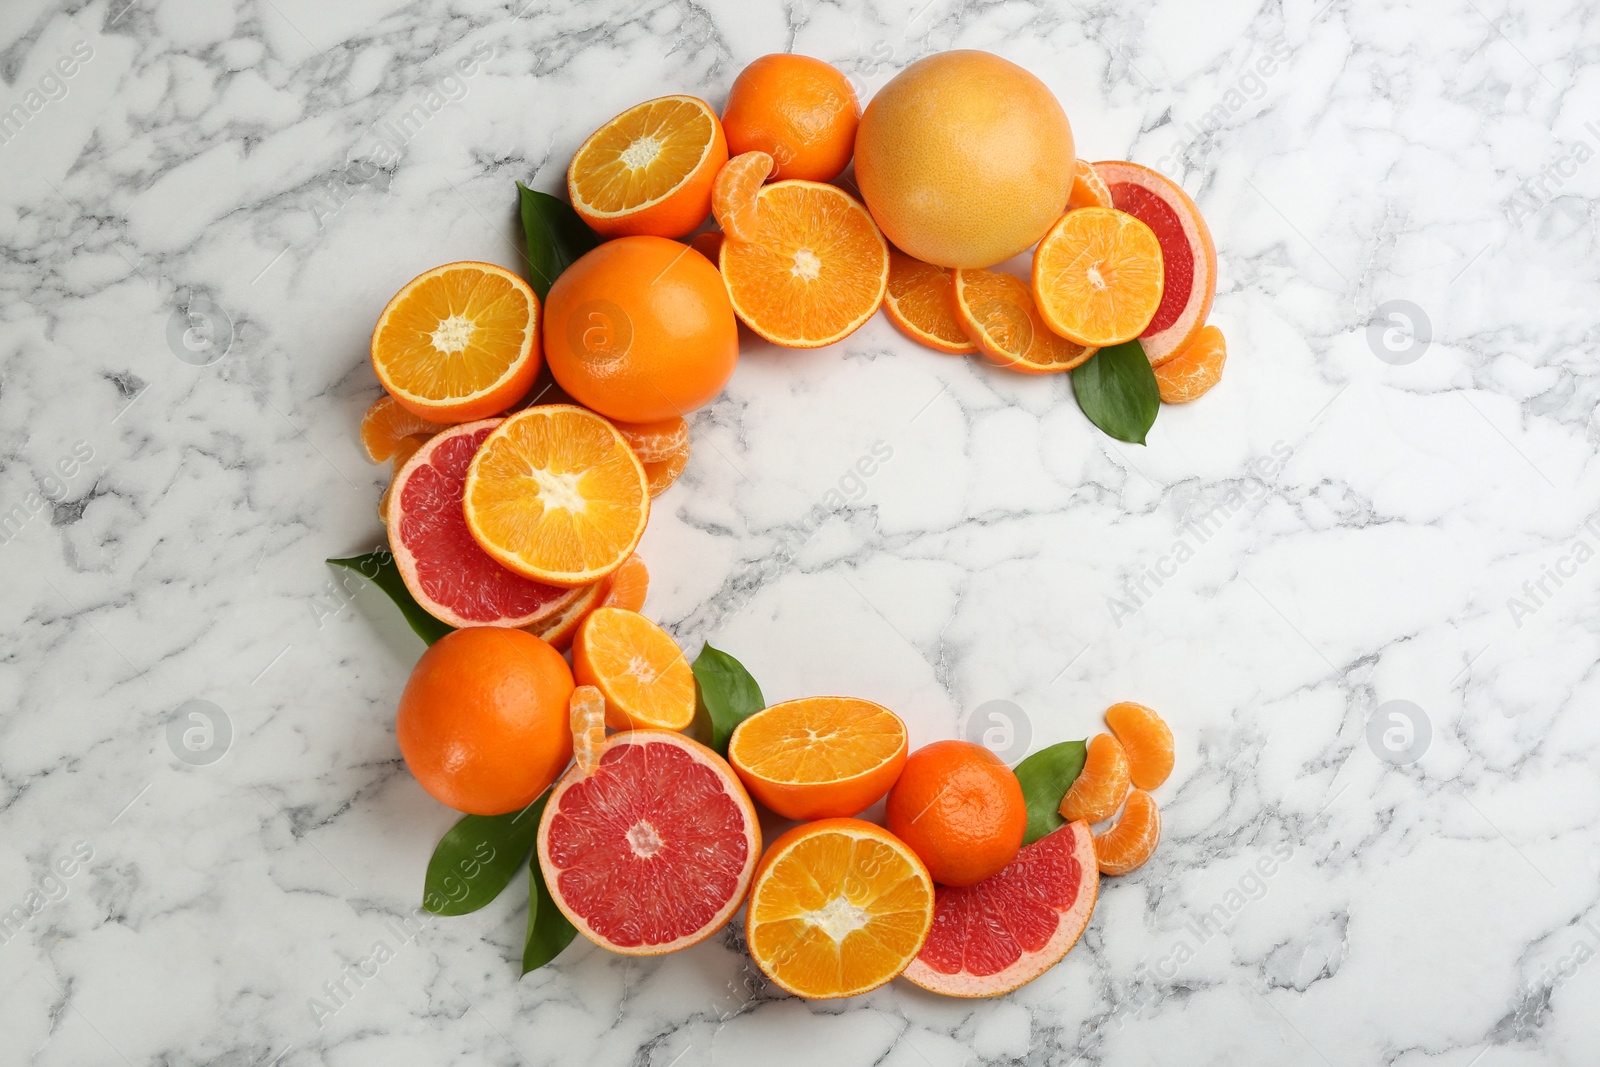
[
  {"x": 483, "y": 721},
  {"x": 961, "y": 809},
  {"x": 799, "y": 110},
  {"x": 641, "y": 329}
]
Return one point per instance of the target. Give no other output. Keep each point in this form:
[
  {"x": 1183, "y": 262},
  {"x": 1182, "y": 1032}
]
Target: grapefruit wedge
[{"x": 1007, "y": 930}]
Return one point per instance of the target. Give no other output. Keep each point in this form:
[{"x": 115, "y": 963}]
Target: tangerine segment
[
  {"x": 1102, "y": 785},
  {"x": 629, "y": 584},
  {"x": 1088, "y": 188},
  {"x": 655, "y": 441},
  {"x": 1191, "y": 373},
  {"x": 588, "y": 714},
  {"x": 638, "y": 666},
  {"x": 819, "y": 757},
  {"x": 556, "y": 494},
  {"x": 649, "y": 170},
  {"x": 838, "y": 907},
  {"x": 1097, "y": 276},
  {"x": 458, "y": 343},
  {"x": 999, "y": 314},
  {"x": 919, "y": 302},
  {"x": 1146, "y": 739},
  {"x": 663, "y": 474},
  {"x": 816, "y": 271},
  {"x": 733, "y": 194},
  {"x": 1133, "y": 839},
  {"x": 386, "y": 428}
]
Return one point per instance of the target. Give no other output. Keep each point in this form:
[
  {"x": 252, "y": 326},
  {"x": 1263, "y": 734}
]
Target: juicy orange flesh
[
  {"x": 1105, "y": 275},
  {"x": 641, "y": 666},
  {"x": 454, "y": 335},
  {"x": 820, "y": 740},
  {"x": 920, "y": 292},
  {"x": 1002, "y": 306},
  {"x": 642, "y": 155}
]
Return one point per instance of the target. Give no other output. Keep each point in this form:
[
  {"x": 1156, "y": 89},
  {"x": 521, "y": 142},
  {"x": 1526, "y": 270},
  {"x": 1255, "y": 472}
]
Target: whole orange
[
  {"x": 800, "y": 111},
  {"x": 964, "y": 159},
  {"x": 483, "y": 722},
  {"x": 961, "y": 810},
  {"x": 640, "y": 329}
]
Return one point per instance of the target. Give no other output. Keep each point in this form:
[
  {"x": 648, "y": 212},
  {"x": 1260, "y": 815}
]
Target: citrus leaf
[
  {"x": 1117, "y": 389},
  {"x": 379, "y": 569},
  {"x": 556, "y": 236},
  {"x": 1046, "y": 776},
  {"x": 725, "y": 692},
  {"x": 477, "y": 858},
  {"x": 548, "y": 930}
]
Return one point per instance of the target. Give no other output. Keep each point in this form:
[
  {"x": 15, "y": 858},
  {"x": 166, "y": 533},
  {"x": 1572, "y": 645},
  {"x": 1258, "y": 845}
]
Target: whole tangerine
[
  {"x": 961, "y": 810},
  {"x": 800, "y": 111}
]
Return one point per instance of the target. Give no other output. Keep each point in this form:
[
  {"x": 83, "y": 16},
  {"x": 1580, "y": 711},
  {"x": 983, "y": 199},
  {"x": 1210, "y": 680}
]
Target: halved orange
[
  {"x": 459, "y": 343},
  {"x": 655, "y": 441},
  {"x": 733, "y": 194},
  {"x": 1194, "y": 369},
  {"x": 819, "y": 757},
  {"x": 1089, "y": 189},
  {"x": 640, "y": 669},
  {"x": 1133, "y": 839},
  {"x": 919, "y": 303},
  {"x": 838, "y": 907},
  {"x": 555, "y": 494},
  {"x": 1147, "y": 740},
  {"x": 1097, "y": 276},
  {"x": 649, "y": 170},
  {"x": 998, "y": 313},
  {"x": 816, "y": 270},
  {"x": 1102, "y": 785},
  {"x": 385, "y": 429}
]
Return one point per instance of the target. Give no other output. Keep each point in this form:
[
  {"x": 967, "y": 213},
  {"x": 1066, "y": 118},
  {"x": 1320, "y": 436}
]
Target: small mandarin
[
  {"x": 799, "y": 110},
  {"x": 961, "y": 809}
]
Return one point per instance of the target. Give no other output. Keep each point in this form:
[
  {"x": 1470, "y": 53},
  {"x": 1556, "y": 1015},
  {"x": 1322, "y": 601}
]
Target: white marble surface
[{"x": 1383, "y": 516}]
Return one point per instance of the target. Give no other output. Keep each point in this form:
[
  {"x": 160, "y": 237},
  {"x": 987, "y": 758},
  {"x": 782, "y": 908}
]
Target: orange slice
[
  {"x": 1088, "y": 188},
  {"x": 733, "y": 194},
  {"x": 459, "y": 343},
  {"x": 638, "y": 666},
  {"x": 653, "y": 442},
  {"x": 555, "y": 494},
  {"x": 629, "y": 584},
  {"x": 1197, "y": 366},
  {"x": 819, "y": 757},
  {"x": 838, "y": 907},
  {"x": 999, "y": 314},
  {"x": 1146, "y": 739},
  {"x": 1133, "y": 839},
  {"x": 1103, "y": 784},
  {"x": 649, "y": 170},
  {"x": 919, "y": 303},
  {"x": 587, "y": 710},
  {"x": 1097, "y": 276},
  {"x": 386, "y": 427},
  {"x": 816, "y": 270}
]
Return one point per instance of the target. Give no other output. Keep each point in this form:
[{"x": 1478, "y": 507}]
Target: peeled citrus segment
[
  {"x": 649, "y": 170},
  {"x": 990, "y": 938},
  {"x": 386, "y": 427},
  {"x": 638, "y": 666},
  {"x": 733, "y": 195},
  {"x": 556, "y": 495},
  {"x": 1133, "y": 839},
  {"x": 655, "y": 441},
  {"x": 654, "y": 851},
  {"x": 588, "y": 712},
  {"x": 998, "y": 313},
  {"x": 1088, "y": 188},
  {"x": 629, "y": 584},
  {"x": 459, "y": 342},
  {"x": 662, "y": 474},
  {"x": 1097, "y": 276},
  {"x": 838, "y": 907},
  {"x": 819, "y": 757},
  {"x": 919, "y": 302},
  {"x": 1102, "y": 785},
  {"x": 1147, "y": 740},
  {"x": 816, "y": 270},
  {"x": 1194, "y": 369}
]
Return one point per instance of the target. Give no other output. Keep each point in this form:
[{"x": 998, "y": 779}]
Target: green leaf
[
  {"x": 1046, "y": 776},
  {"x": 1117, "y": 389},
  {"x": 548, "y": 930},
  {"x": 725, "y": 692},
  {"x": 379, "y": 569},
  {"x": 478, "y": 858},
  {"x": 556, "y": 237}
]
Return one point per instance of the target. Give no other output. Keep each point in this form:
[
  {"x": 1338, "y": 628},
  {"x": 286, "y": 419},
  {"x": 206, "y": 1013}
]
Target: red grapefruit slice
[
  {"x": 449, "y": 575},
  {"x": 655, "y": 850},
  {"x": 990, "y": 938},
  {"x": 1189, "y": 258}
]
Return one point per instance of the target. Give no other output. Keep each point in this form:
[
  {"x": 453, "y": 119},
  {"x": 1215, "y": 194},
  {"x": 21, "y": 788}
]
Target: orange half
[
  {"x": 733, "y": 194},
  {"x": 998, "y": 313},
  {"x": 819, "y": 757},
  {"x": 1097, "y": 276},
  {"x": 640, "y": 669},
  {"x": 919, "y": 303},
  {"x": 649, "y": 170}
]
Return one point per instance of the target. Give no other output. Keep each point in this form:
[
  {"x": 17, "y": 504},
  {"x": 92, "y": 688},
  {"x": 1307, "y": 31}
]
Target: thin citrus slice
[
  {"x": 1146, "y": 739},
  {"x": 655, "y": 850},
  {"x": 1088, "y": 188},
  {"x": 556, "y": 494},
  {"x": 663, "y": 473},
  {"x": 655, "y": 441},
  {"x": 816, "y": 271},
  {"x": 708, "y": 244},
  {"x": 1196, "y": 367},
  {"x": 386, "y": 426},
  {"x": 588, "y": 713},
  {"x": 638, "y": 666},
  {"x": 1102, "y": 785},
  {"x": 1007, "y": 930},
  {"x": 919, "y": 303},
  {"x": 998, "y": 313},
  {"x": 819, "y": 757},
  {"x": 559, "y": 629},
  {"x": 839, "y": 907},
  {"x": 1133, "y": 839},
  {"x": 629, "y": 584},
  {"x": 1097, "y": 276},
  {"x": 649, "y": 170},
  {"x": 445, "y": 571},
  {"x": 459, "y": 342},
  {"x": 733, "y": 195}
]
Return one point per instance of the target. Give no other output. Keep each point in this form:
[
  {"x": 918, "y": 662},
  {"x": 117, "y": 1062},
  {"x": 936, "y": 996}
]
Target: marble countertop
[{"x": 1359, "y": 578}]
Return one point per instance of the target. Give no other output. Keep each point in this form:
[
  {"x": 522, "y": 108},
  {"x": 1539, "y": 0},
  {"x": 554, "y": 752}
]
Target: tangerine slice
[
  {"x": 1146, "y": 739},
  {"x": 638, "y": 666},
  {"x": 556, "y": 494},
  {"x": 1196, "y": 367},
  {"x": 656, "y": 441},
  {"x": 1097, "y": 276},
  {"x": 1133, "y": 839},
  {"x": 819, "y": 757},
  {"x": 649, "y": 170},
  {"x": 918, "y": 300},
  {"x": 838, "y": 907},
  {"x": 999, "y": 314},
  {"x": 1088, "y": 188},
  {"x": 734, "y": 203},
  {"x": 664, "y": 473},
  {"x": 1102, "y": 785},
  {"x": 816, "y": 271},
  {"x": 587, "y": 709},
  {"x": 458, "y": 343},
  {"x": 629, "y": 584},
  {"x": 387, "y": 426}
]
